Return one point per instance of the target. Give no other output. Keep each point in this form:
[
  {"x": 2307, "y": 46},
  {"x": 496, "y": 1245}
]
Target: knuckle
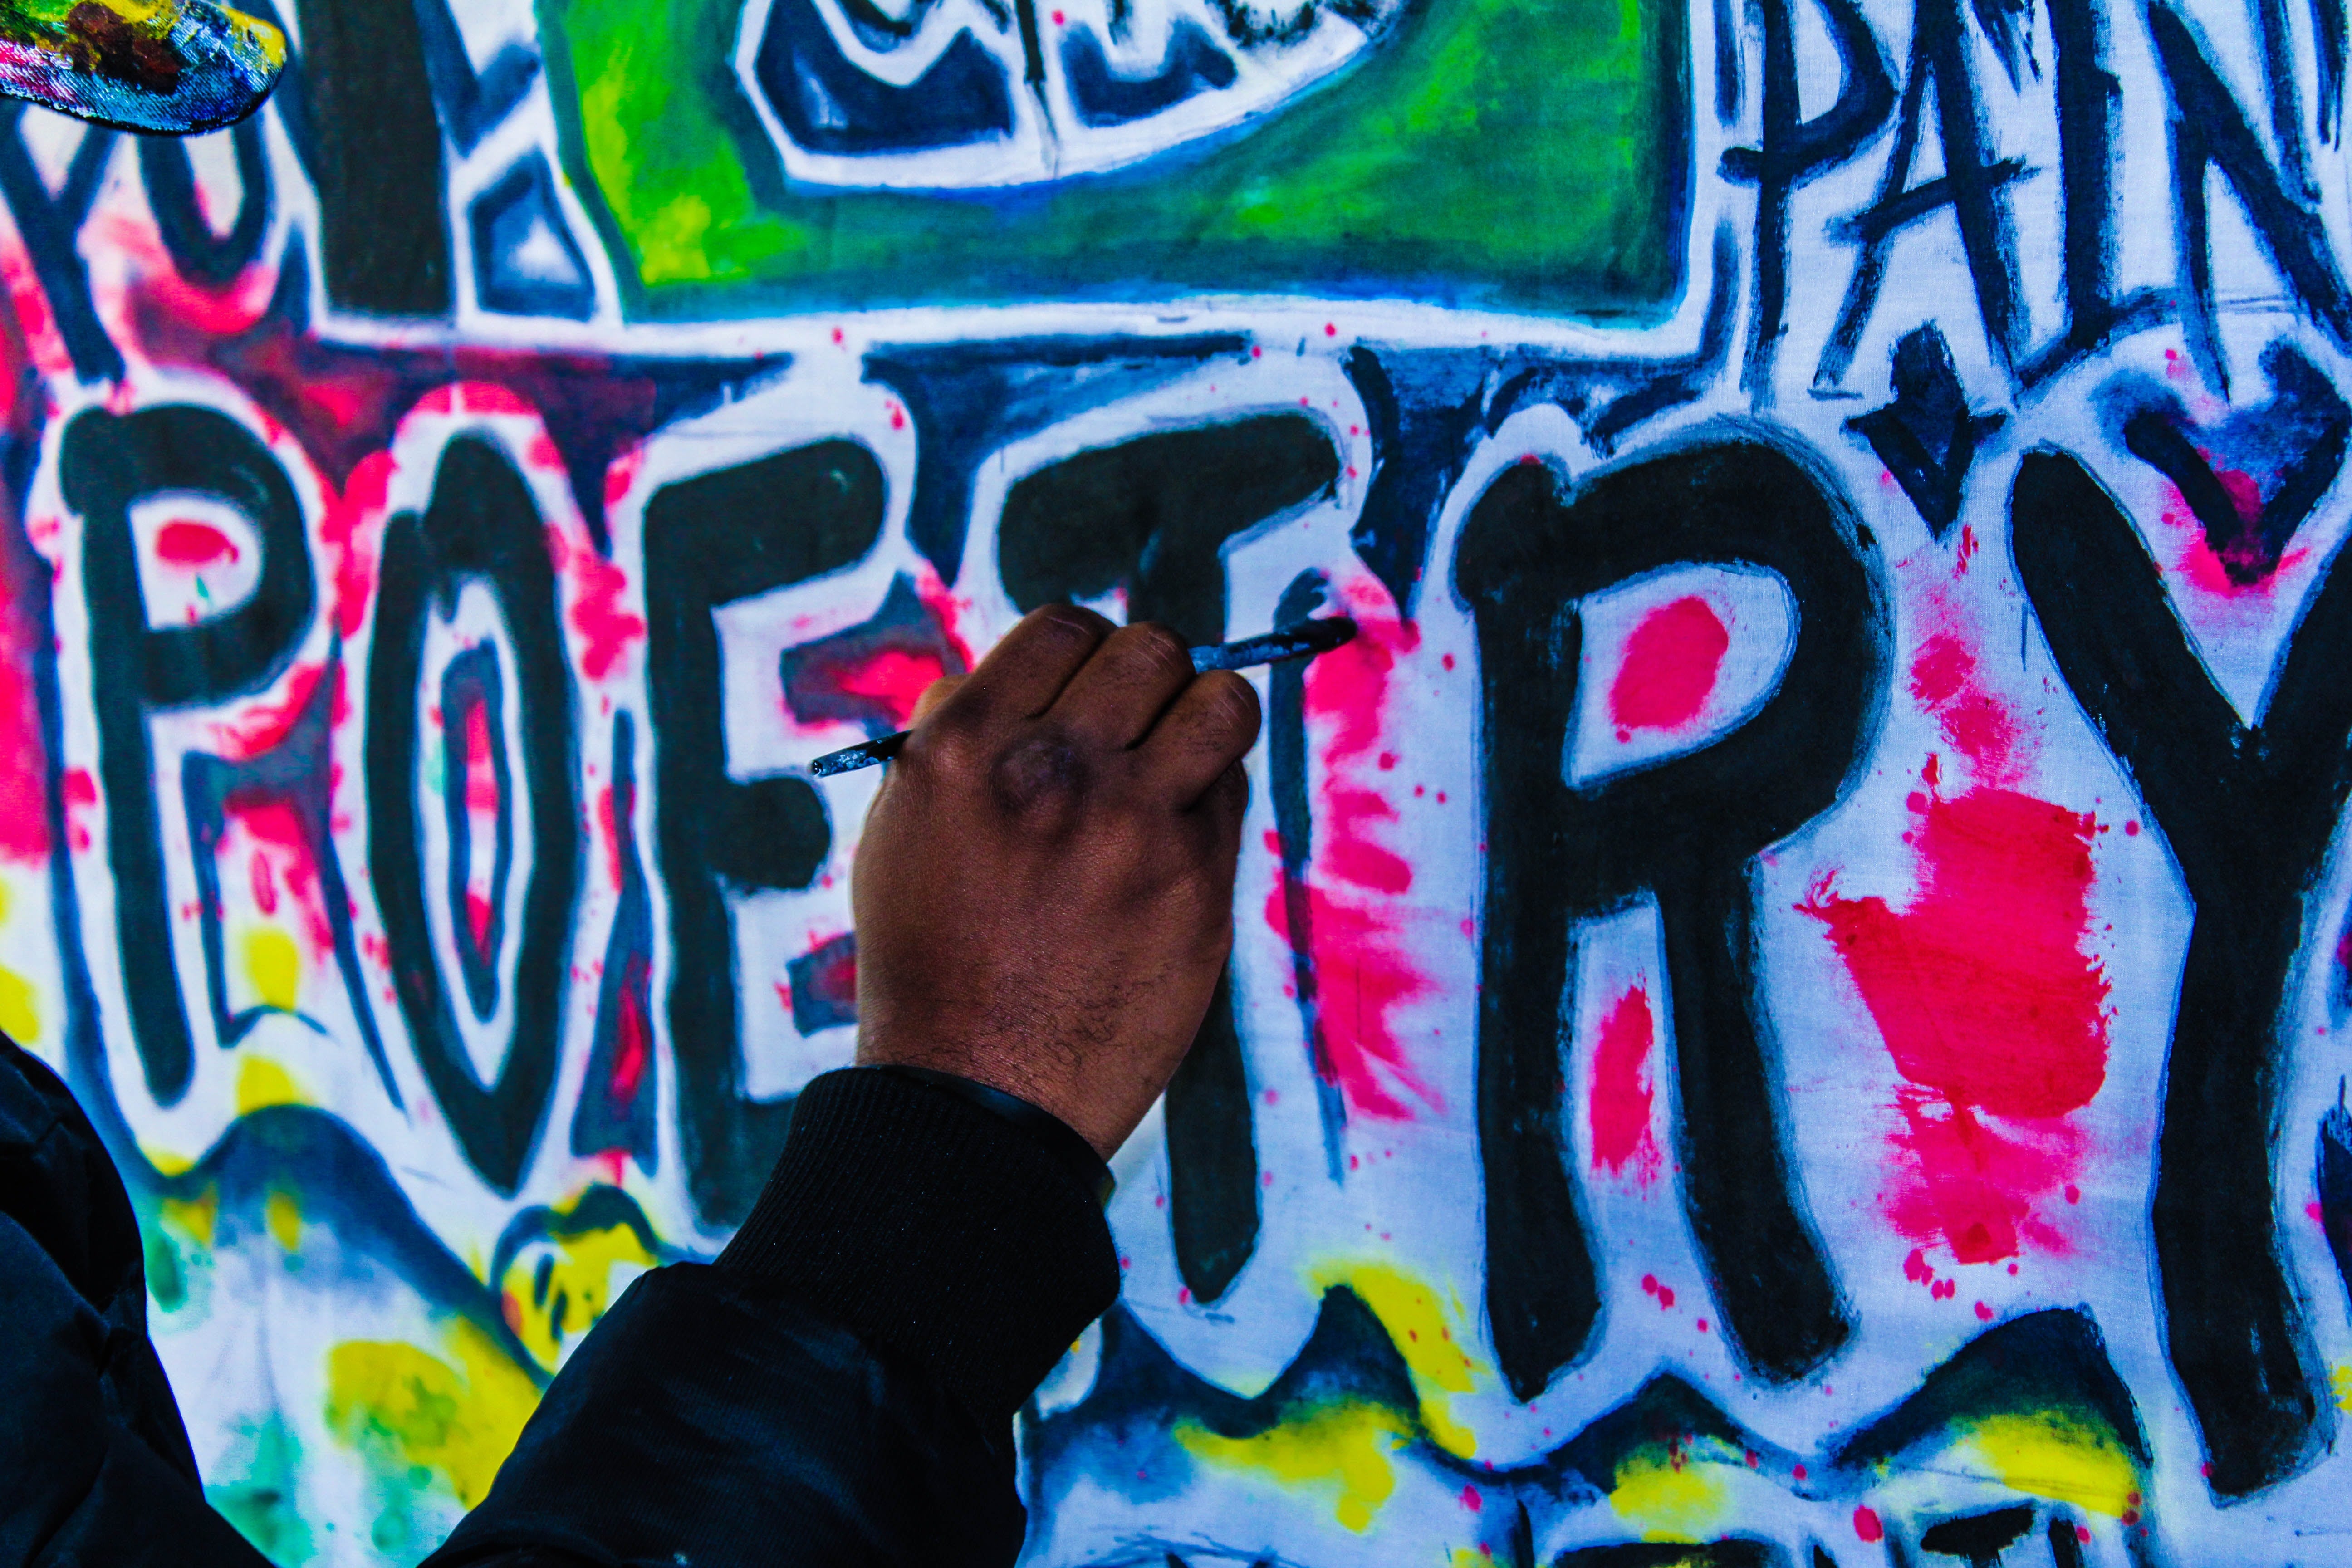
[
  {"x": 1157, "y": 645},
  {"x": 1236, "y": 701},
  {"x": 1072, "y": 621}
]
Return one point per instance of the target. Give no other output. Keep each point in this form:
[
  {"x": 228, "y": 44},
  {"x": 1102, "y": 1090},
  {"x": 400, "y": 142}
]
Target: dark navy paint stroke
[
  {"x": 1674, "y": 385},
  {"x": 2275, "y": 39},
  {"x": 612, "y": 1115},
  {"x": 2293, "y": 446},
  {"x": 470, "y": 105},
  {"x": 290, "y": 98},
  {"x": 962, "y": 99},
  {"x": 2210, "y": 130},
  {"x": 1608, "y": 398},
  {"x": 106, "y": 463},
  {"x": 345, "y": 1186},
  {"x": 1793, "y": 151},
  {"x": 1424, "y": 411},
  {"x": 2248, "y": 814},
  {"x": 2328, "y": 29},
  {"x": 2007, "y": 25},
  {"x": 196, "y": 252},
  {"x": 1927, "y": 435},
  {"x": 479, "y": 526},
  {"x": 602, "y": 1207},
  {"x": 1194, "y": 65},
  {"x": 709, "y": 540},
  {"x": 968, "y": 399},
  {"x": 819, "y": 677},
  {"x": 49, "y": 227},
  {"x": 297, "y": 772},
  {"x": 2051, "y": 1361},
  {"x": 502, "y": 218},
  {"x": 595, "y": 406},
  {"x": 2334, "y": 1186},
  {"x": 378, "y": 164},
  {"x": 2066, "y": 1546},
  {"x": 2046, "y": 1361},
  {"x": 1980, "y": 1537},
  {"x": 1152, "y": 514},
  {"x": 1686, "y": 830},
  {"x": 2088, "y": 100},
  {"x": 1972, "y": 186},
  {"x": 824, "y": 982},
  {"x": 1294, "y": 829},
  {"x": 470, "y": 681},
  {"x": 1727, "y": 62}
]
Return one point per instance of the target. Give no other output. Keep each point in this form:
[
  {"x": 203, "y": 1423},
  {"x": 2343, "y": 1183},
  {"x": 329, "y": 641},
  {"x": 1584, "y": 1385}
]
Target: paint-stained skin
[{"x": 443, "y": 513}]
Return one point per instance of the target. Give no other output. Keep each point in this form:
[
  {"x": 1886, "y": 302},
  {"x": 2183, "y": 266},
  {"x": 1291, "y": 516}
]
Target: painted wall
[{"x": 1789, "y": 987}]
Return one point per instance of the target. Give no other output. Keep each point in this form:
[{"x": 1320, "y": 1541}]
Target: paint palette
[{"x": 172, "y": 67}]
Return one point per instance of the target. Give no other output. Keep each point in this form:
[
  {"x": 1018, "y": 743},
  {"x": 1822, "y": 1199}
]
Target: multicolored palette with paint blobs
[{"x": 139, "y": 65}]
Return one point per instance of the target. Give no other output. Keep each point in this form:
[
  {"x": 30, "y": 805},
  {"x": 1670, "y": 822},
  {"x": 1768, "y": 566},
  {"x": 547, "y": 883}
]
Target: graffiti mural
[{"x": 1790, "y": 997}]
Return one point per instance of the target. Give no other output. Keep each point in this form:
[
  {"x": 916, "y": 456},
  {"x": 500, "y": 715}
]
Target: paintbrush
[{"x": 1304, "y": 640}]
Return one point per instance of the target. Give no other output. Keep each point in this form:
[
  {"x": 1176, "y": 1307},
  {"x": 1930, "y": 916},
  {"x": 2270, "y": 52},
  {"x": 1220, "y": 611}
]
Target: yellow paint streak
[
  {"x": 273, "y": 965},
  {"x": 20, "y": 1011},
  {"x": 269, "y": 40},
  {"x": 1346, "y": 1445},
  {"x": 1668, "y": 1496},
  {"x": 166, "y": 1163},
  {"x": 262, "y": 1083},
  {"x": 1419, "y": 1325},
  {"x": 281, "y": 1211},
  {"x": 2051, "y": 1456},
  {"x": 193, "y": 1217},
  {"x": 2339, "y": 1382},
  {"x": 461, "y": 1421},
  {"x": 582, "y": 1279}
]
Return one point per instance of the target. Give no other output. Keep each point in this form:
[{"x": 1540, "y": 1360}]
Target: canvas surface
[{"x": 1789, "y": 989}]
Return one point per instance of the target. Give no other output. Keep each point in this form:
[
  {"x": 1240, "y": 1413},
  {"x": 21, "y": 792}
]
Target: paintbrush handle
[{"x": 1301, "y": 641}]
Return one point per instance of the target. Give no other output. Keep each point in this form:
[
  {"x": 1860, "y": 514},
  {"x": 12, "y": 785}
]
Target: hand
[{"x": 1044, "y": 893}]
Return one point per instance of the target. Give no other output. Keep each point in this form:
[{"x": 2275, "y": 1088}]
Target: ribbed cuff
[{"x": 933, "y": 1228}]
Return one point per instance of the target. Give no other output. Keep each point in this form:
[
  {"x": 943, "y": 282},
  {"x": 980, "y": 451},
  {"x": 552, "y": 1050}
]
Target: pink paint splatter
[
  {"x": 1362, "y": 970},
  {"x": 1866, "y": 1525},
  {"x": 267, "y": 725},
  {"x": 1621, "y": 1092},
  {"x": 193, "y": 544},
  {"x": 597, "y": 586},
  {"x": 636, "y": 1035},
  {"x": 1983, "y": 989},
  {"x": 2208, "y": 570},
  {"x": 1671, "y": 663},
  {"x": 622, "y": 472},
  {"x": 24, "y": 754},
  {"x": 350, "y": 533},
  {"x": 269, "y": 827}
]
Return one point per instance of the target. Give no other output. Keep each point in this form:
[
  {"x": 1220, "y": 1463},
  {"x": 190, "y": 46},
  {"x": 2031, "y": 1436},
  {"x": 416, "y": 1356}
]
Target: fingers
[
  {"x": 1205, "y": 732},
  {"x": 1114, "y": 701},
  {"x": 1024, "y": 673},
  {"x": 936, "y": 693}
]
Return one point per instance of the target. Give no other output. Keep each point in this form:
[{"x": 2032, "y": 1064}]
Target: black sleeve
[
  {"x": 839, "y": 1388},
  {"x": 95, "y": 1469}
]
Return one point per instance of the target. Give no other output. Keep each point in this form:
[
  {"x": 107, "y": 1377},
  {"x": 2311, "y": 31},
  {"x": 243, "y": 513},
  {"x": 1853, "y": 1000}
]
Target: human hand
[{"x": 1044, "y": 892}]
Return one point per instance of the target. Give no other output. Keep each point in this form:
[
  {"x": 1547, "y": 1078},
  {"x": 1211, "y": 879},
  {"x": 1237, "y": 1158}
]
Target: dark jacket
[{"x": 837, "y": 1388}]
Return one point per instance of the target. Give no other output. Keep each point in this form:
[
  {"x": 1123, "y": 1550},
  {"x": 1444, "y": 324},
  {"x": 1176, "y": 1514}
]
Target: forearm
[{"x": 839, "y": 1388}]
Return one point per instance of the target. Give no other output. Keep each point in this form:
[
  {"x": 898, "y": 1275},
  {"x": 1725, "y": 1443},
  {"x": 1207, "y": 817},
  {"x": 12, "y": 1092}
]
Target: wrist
[{"x": 1061, "y": 1142}]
